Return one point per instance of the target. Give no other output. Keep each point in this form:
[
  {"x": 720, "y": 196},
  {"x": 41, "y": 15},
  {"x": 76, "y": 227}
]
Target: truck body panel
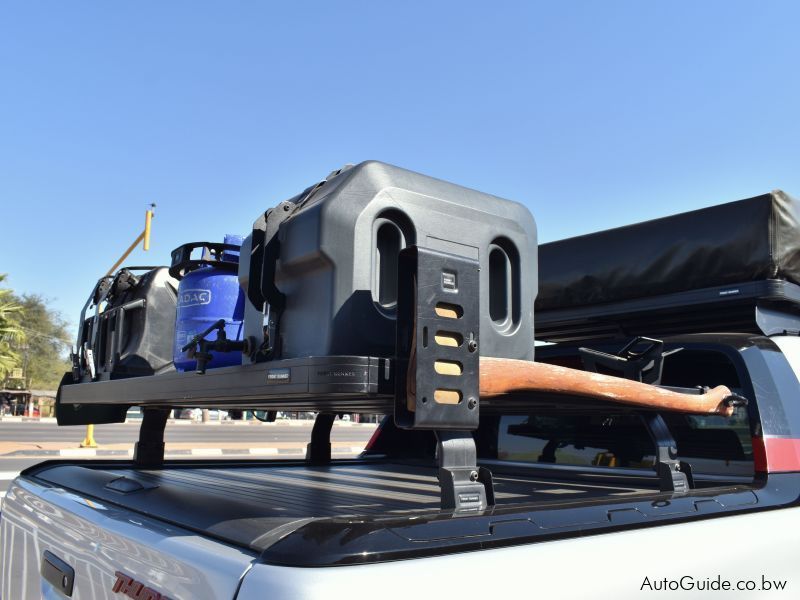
[
  {"x": 612, "y": 565},
  {"x": 192, "y": 529},
  {"x": 98, "y": 540}
]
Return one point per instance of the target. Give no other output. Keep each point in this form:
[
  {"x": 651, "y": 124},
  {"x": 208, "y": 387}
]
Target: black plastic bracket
[
  {"x": 645, "y": 364},
  {"x": 673, "y": 475},
  {"x": 465, "y": 487},
  {"x": 438, "y": 322},
  {"x": 148, "y": 452},
  {"x": 318, "y": 451},
  {"x": 270, "y": 250}
]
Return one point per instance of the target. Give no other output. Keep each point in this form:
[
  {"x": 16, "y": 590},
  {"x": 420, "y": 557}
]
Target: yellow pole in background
[
  {"x": 88, "y": 441},
  {"x": 144, "y": 237},
  {"x": 148, "y": 219},
  {"x": 122, "y": 258}
]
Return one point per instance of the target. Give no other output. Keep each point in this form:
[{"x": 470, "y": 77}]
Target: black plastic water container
[
  {"x": 326, "y": 262},
  {"x": 132, "y": 335}
]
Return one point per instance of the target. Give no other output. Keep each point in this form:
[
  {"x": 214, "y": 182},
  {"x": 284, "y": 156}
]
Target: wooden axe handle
[{"x": 500, "y": 376}]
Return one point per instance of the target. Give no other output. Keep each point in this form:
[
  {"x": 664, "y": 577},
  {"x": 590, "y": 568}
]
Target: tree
[
  {"x": 11, "y": 334},
  {"x": 43, "y": 353}
]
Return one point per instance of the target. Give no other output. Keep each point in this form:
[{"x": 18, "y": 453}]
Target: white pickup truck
[
  {"x": 591, "y": 499},
  {"x": 578, "y": 511}
]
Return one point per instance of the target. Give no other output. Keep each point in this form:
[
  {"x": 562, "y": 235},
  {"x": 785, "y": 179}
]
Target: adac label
[{"x": 194, "y": 297}]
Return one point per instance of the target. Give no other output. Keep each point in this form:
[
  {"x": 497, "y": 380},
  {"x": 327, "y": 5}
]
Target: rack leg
[
  {"x": 318, "y": 452},
  {"x": 149, "y": 450},
  {"x": 673, "y": 475},
  {"x": 465, "y": 487}
]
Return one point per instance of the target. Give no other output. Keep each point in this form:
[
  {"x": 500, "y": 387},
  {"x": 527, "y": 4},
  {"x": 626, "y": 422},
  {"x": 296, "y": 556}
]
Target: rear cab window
[{"x": 712, "y": 444}]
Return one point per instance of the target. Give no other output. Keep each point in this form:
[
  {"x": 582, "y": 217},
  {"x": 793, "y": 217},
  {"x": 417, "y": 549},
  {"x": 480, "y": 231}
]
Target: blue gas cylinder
[{"x": 208, "y": 291}]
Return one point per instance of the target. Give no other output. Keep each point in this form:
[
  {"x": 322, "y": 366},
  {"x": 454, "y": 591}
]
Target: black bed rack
[{"x": 439, "y": 292}]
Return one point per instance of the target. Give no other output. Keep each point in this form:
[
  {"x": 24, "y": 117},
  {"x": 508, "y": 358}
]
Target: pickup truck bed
[{"x": 248, "y": 504}]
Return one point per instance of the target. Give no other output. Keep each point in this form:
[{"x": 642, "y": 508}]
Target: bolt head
[
  {"x": 473, "y": 476},
  {"x": 472, "y": 403}
]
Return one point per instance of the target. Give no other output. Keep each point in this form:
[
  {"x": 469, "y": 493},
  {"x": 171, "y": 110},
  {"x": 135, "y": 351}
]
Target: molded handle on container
[{"x": 182, "y": 261}]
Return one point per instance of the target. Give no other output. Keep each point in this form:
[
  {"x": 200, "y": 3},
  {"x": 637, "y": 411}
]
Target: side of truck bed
[
  {"x": 244, "y": 504},
  {"x": 563, "y": 476},
  {"x": 610, "y": 541}
]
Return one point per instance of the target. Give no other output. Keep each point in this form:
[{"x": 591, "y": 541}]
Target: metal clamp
[{"x": 465, "y": 487}]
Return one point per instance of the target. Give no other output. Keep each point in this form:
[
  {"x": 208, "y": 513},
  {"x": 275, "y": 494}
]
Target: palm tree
[{"x": 10, "y": 331}]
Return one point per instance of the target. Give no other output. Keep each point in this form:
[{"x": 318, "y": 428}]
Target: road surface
[
  {"x": 284, "y": 435},
  {"x": 299, "y": 431}
]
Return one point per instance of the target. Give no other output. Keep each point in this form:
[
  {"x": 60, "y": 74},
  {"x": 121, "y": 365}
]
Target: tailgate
[{"x": 95, "y": 547}]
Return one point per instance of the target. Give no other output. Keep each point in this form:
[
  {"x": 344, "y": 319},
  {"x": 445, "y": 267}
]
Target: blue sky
[{"x": 593, "y": 114}]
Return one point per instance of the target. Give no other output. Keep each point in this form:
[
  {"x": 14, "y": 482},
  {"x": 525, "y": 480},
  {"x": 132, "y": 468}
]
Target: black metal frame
[
  {"x": 646, "y": 365},
  {"x": 341, "y": 384},
  {"x": 749, "y": 307}
]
